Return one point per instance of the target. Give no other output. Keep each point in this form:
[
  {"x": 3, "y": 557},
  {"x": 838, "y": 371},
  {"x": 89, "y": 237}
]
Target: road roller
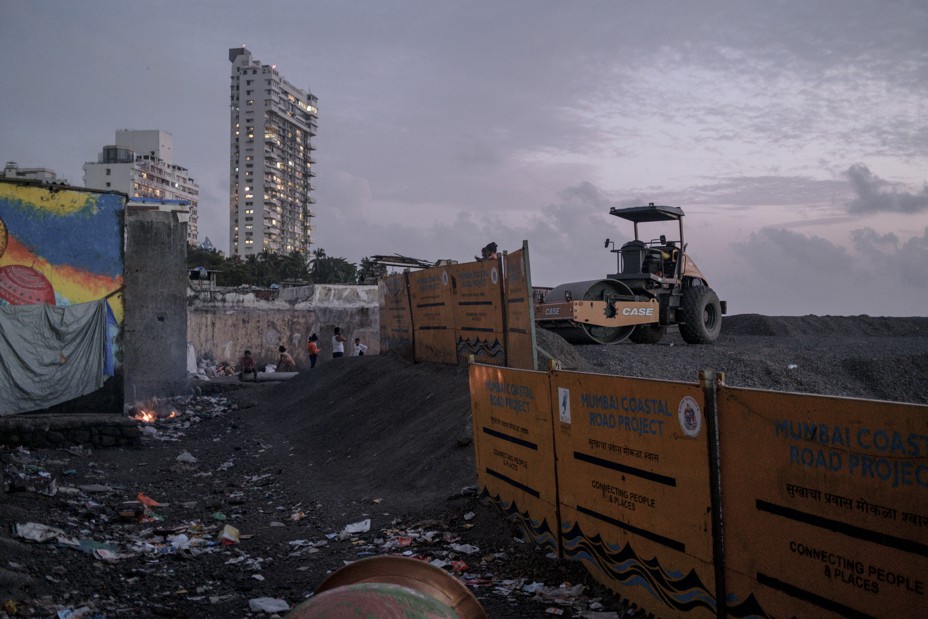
[{"x": 656, "y": 285}]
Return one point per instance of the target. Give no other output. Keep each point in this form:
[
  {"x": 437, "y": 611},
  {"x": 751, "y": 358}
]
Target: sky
[{"x": 793, "y": 134}]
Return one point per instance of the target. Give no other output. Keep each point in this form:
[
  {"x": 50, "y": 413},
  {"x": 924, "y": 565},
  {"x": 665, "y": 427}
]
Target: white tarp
[{"x": 50, "y": 354}]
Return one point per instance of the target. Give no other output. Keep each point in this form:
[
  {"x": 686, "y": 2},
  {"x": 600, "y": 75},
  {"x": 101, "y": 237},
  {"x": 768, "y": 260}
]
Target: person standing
[
  {"x": 312, "y": 348},
  {"x": 338, "y": 343},
  {"x": 285, "y": 362},
  {"x": 357, "y": 349}
]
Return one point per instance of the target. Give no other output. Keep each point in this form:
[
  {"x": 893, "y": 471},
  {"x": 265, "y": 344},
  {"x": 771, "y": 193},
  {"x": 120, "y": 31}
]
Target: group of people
[
  {"x": 285, "y": 362},
  {"x": 338, "y": 347}
]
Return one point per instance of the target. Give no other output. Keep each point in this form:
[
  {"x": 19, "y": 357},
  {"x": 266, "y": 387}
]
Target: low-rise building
[{"x": 141, "y": 165}]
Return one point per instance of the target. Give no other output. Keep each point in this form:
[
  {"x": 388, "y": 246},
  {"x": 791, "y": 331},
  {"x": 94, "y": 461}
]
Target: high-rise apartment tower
[
  {"x": 270, "y": 160},
  {"x": 141, "y": 165}
]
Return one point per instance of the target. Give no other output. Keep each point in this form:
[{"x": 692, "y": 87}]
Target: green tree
[
  {"x": 234, "y": 272},
  {"x": 328, "y": 270},
  {"x": 263, "y": 269},
  {"x": 294, "y": 267},
  {"x": 370, "y": 272},
  {"x": 196, "y": 257}
]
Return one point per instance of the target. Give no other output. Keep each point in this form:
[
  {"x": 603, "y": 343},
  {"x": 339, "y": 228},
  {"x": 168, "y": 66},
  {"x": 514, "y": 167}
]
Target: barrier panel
[
  {"x": 448, "y": 313},
  {"x": 477, "y": 311},
  {"x": 634, "y": 488},
  {"x": 822, "y": 500},
  {"x": 825, "y": 505},
  {"x": 514, "y": 447},
  {"x": 396, "y": 333},
  {"x": 432, "y": 315},
  {"x": 519, "y": 310}
]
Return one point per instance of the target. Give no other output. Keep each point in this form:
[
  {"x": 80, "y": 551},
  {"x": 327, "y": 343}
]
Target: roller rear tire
[{"x": 701, "y": 315}]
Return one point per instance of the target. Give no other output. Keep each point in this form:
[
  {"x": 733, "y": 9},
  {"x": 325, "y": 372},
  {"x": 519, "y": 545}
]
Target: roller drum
[{"x": 592, "y": 290}]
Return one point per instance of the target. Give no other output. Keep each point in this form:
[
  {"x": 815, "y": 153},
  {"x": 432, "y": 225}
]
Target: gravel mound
[
  {"x": 856, "y": 356},
  {"x": 843, "y": 326}
]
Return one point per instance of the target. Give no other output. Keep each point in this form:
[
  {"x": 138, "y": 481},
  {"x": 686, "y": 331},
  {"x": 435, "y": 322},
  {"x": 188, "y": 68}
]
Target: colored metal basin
[
  {"x": 419, "y": 576},
  {"x": 372, "y": 599}
]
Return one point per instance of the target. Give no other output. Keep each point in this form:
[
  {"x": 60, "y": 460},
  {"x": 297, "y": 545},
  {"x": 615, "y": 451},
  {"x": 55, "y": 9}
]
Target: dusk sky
[{"x": 793, "y": 134}]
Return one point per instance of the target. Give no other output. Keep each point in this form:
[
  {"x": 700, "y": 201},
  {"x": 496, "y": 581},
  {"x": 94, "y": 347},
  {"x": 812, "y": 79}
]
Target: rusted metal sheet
[
  {"x": 519, "y": 310},
  {"x": 396, "y": 332}
]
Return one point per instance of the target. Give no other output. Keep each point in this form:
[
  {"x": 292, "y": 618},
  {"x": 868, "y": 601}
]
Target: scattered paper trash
[
  {"x": 268, "y": 605},
  {"x": 35, "y": 532},
  {"x": 467, "y": 549},
  {"x": 144, "y": 500},
  {"x": 358, "y": 527},
  {"x": 186, "y": 458},
  {"x": 229, "y": 535},
  {"x": 106, "y": 554},
  {"x": 533, "y": 587},
  {"x": 792, "y": 366}
]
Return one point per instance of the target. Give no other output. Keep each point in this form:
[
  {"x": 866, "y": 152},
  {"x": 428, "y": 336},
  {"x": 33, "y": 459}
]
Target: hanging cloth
[{"x": 50, "y": 354}]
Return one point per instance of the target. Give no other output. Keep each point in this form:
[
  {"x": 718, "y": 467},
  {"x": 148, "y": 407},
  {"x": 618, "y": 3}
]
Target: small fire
[
  {"x": 172, "y": 415},
  {"x": 146, "y": 416}
]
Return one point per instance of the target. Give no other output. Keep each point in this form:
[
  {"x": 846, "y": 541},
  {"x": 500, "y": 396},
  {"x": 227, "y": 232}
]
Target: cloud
[
  {"x": 887, "y": 258},
  {"x": 788, "y": 273},
  {"x": 770, "y": 190},
  {"x": 875, "y": 195}
]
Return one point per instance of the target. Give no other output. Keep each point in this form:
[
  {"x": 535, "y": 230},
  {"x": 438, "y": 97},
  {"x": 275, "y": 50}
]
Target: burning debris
[
  {"x": 192, "y": 408},
  {"x": 152, "y": 411}
]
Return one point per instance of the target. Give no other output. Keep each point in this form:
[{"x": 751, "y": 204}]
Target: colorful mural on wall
[
  {"x": 61, "y": 247},
  {"x": 64, "y": 244}
]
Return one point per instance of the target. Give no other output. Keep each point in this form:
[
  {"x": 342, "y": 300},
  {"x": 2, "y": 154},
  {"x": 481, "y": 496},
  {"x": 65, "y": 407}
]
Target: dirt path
[{"x": 290, "y": 465}]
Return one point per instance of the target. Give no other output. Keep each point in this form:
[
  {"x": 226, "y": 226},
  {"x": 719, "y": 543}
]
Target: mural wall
[{"x": 61, "y": 307}]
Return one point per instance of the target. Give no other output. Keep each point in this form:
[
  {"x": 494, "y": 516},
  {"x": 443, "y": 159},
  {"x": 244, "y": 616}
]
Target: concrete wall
[
  {"x": 155, "y": 353},
  {"x": 222, "y": 324}
]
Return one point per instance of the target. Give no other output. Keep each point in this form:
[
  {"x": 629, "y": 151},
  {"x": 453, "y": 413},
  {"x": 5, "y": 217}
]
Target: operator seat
[{"x": 633, "y": 253}]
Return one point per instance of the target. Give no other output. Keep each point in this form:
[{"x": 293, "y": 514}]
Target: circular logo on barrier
[
  {"x": 690, "y": 416},
  {"x": 494, "y": 275},
  {"x": 444, "y": 278}
]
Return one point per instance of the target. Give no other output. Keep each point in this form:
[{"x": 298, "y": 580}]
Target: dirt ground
[{"x": 298, "y": 468}]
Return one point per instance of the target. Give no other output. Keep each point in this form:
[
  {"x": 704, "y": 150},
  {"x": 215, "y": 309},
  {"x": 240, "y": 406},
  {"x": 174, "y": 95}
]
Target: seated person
[{"x": 247, "y": 366}]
